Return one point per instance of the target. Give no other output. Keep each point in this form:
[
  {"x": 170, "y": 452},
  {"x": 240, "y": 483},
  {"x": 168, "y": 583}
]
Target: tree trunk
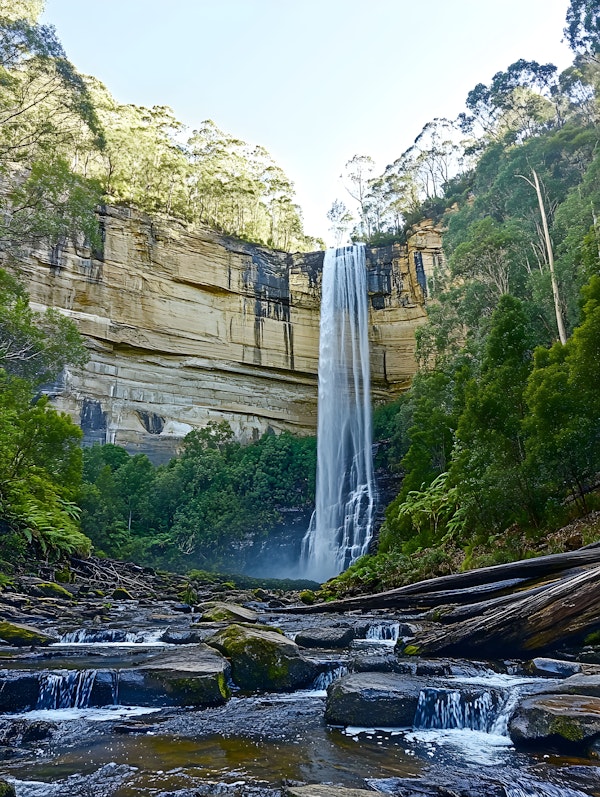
[
  {"x": 539, "y": 567},
  {"x": 529, "y": 624}
]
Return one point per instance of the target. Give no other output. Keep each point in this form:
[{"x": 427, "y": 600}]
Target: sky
[{"x": 313, "y": 81}]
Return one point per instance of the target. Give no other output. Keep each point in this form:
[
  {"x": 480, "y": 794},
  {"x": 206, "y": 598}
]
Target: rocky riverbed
[{"x": 120, "y": 682}]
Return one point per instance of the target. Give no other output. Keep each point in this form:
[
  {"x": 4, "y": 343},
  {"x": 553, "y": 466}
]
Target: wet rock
[
  {"x": 24, "y": 635},
  {"x": 566, "y": 720},
  {"x": 103, "y": 783},
  {"x": 264, "y": 659},
  {"x": 192, "y": 676},
  {"x": 554, "y": 667},
  {"x": 325, "y": 790},
  {"x": 384, "y": 700},
  {"x": 334, "y": 637},
  {"x": 221, "y": 612},
  {"x": 23, "y": 731},
  {"x": 578, "y": 685},
  {"x": 174, "y": 636},
  {"x": 49, "y": 589},
  {"x": 121, "y": 594},
  {"x": 19, "y": 691},
  {"x": 382, "y": 662},
  {"x": 183, "y": 608}
]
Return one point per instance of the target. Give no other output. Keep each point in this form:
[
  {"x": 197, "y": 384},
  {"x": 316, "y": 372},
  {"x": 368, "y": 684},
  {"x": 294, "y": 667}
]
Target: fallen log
[
  {"x": 538, "y": 567},
  {"x": 534, "y": 622}
]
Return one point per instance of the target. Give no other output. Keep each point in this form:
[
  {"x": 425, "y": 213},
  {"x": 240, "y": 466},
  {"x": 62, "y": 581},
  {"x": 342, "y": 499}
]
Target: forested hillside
[
  {"x": 498, "y": 440},
  {"x": 66, "y": 145}
]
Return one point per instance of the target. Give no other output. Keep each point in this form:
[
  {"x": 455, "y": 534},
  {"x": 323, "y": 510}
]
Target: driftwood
[
  {"x": 531, "y": 622},
  {"x": 444, "y": 590}
]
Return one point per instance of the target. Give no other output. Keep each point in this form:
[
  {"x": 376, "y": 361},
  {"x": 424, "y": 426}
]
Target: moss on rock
[
  {"x": 262, "y": 659},
  {"x": 121, "y": 594},
  {"x": 221, "y": 612},
  {"x": 23, "y": 635},
  {"x": 7, "y": 789},
  {"x": 49, "y": 589}
]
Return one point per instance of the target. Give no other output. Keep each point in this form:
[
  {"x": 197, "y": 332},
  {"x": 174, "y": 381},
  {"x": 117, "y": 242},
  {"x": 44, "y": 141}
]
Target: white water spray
[{"x": 342, "y": 524}]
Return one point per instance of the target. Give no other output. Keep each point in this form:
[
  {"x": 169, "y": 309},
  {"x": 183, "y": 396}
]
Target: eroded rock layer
[{"x": 186, "y": 327}]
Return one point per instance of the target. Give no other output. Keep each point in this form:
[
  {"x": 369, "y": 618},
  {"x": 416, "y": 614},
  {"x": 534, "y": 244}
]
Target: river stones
[
  {"x": 263, "y": 659},
  {"x": 222, "y": 612},
  {"x": 370, "y": 699},
  {"x": 563, "y": 719},
  {"x": 333, "y": 637},
  {"x": 24, "y": 635},
  {"x": 192, "y": 676}
]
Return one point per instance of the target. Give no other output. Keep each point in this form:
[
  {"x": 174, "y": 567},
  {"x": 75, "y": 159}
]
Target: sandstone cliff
[{"x": 186, "y": 327}]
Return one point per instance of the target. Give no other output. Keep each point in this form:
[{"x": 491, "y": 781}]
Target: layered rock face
[{"x": 187, "y": 327}]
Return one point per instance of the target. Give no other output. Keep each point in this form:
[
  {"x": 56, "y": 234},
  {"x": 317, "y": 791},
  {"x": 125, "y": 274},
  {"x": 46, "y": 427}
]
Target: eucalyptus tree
[{"x": 582, "y": 29}]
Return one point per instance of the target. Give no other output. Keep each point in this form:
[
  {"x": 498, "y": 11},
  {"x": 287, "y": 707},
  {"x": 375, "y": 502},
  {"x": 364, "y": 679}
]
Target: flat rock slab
[
  {"x": 263, "y": 659},
  {"x": 368, "y": 699},
  {"x": 320, "y": 790},
  {"x": 332, "y": 638},
  {"x": 194, "y": 675},
  {"x": 577, "y": 685},
  {"x": 222, "y": 612},
  {"x": 19, "y": 635},
  {"x": 565, "y": 719},
  {"x": 558, "y": 667}
]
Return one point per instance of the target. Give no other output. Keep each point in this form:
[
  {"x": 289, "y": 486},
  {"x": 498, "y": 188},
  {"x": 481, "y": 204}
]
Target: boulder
[
  {"x": 373, "y": 699},
  {"x": 122, "y": 594},
  {"x": 554, "y": 667},
  {"x": 174, "y": 636},
  {"x": 565, "y": 720},
  {"x": 262, "y": 659},
  {"x": 333, "y": 637},
  {"x": 221, "y": 612},
  {"x": 49, "y": 589},
  {"x": 194, "y": 675},
  {"x": 577, "y": 685},
  {"x": 24, "y": 635}
]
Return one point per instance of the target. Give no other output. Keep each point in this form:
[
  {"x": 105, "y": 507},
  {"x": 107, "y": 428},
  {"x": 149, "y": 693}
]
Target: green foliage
[
  {"x": 40, "y": 454},
  {"x": 196, "y": 509},
  {"x": 583, "y": 27}
]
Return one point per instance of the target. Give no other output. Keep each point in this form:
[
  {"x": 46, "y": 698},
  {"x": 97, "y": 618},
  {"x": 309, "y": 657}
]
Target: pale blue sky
[{"x": 314, "y": 81}]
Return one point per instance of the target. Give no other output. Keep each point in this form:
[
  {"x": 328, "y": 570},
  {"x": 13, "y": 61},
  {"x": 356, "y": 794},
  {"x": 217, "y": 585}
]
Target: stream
[{"x": 87, "y": 734}]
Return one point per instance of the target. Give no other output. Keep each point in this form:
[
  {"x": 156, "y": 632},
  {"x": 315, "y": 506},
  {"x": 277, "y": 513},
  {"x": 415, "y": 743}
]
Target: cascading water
[
  {"x": 65, "y": 689},
  {"x": 342, "y": 524}
]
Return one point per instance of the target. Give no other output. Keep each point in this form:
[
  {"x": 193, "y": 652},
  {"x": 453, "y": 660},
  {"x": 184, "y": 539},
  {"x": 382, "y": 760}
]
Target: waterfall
[
  {"x": 65, "y": 689},
  {"x": 448, "y": 708},
  {"x": 342, "y": 523}
]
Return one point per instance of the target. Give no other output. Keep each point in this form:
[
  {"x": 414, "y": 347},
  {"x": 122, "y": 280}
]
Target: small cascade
[
  {"x": 110, "y": 636},
  {"x": 342, "y": 524},
  {"x": 65, "y": 689},
  {"x": 323, "y": 680},
  {"x": 384, "y": 632},
  {"x": 444, "y": 709}
]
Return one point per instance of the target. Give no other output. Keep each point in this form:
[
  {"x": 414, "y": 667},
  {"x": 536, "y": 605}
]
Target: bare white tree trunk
[{"x": 550, "y": 255}]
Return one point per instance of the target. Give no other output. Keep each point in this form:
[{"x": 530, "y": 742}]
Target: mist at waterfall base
[{"x": 341, "y": 525}]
